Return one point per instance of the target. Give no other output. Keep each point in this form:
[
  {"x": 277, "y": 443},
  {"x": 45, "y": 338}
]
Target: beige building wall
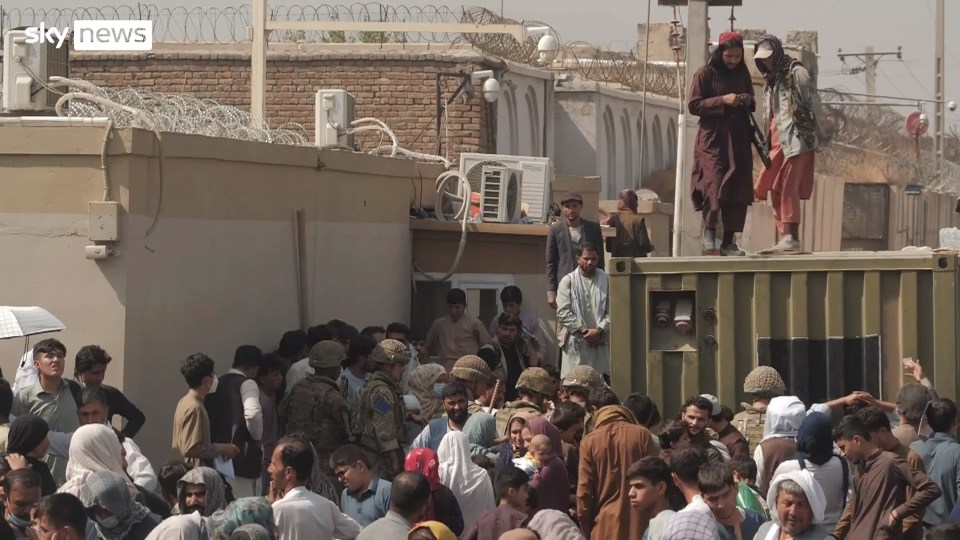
[{"x": 220, "y": 267}]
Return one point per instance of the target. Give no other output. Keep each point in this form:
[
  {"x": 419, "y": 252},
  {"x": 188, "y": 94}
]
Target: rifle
[
  {"x": 497, "y": 387},
  {"x": 758, "y": 140}
]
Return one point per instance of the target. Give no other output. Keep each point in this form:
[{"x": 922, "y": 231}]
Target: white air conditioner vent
[
  {"x": 500, "y": 189},
  {"x": 536, "y": 175}
]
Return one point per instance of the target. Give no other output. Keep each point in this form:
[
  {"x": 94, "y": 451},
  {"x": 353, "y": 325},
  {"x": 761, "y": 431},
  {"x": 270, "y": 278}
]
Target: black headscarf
[
  {"x": 815, "y": 439},
  {"x": 27, "y": 431},
  {"x": 781, "y": 60}
]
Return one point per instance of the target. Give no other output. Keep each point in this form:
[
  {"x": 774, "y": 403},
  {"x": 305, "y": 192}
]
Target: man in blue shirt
[
  {"x": 366, "y": 497},
  {"x": 941, "y": 459}
]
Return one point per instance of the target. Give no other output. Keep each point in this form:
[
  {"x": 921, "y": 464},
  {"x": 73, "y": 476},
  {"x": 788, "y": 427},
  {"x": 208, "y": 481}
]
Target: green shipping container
[{"x": 830, "y": 323}]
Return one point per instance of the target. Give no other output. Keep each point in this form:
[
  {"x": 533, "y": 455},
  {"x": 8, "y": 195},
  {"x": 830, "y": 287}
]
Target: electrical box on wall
[
  {"x": 104, "y": 221},
  {"x": 333, "y": 114}
]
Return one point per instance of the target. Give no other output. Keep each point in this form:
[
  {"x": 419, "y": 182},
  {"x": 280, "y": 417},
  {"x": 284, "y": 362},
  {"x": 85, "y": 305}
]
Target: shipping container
[{"x": 830, "y": 323}]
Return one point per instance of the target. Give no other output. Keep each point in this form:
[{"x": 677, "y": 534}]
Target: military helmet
[
  {"x": 471, "y": 368},
  {"x": 326, "y": 355},
  {"x": 583, "y": 376},
  {"x": 536, "y": 379},
  {"x": 764, "y": 380},
  {"x": 391, "y": 351}
]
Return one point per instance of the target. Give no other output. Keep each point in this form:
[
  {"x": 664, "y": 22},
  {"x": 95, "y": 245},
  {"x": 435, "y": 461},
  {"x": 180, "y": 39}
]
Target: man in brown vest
[{"x": 785, "y": 414}]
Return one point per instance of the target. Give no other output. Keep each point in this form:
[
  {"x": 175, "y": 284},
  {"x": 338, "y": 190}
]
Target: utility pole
[
  {"x": 870, "y": 59},
  {"x": 939, "y": 88}
]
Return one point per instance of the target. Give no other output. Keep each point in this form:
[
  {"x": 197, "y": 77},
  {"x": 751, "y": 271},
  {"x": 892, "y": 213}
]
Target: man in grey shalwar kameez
[{"x": 584, "y": 315}]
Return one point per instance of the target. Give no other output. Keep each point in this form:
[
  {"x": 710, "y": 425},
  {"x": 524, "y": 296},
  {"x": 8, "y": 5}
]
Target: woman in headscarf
[
  {"x": 815, "y": 454},
  {"x": 251, "y": 531},
  {"x": 426, "y": 383},
  {"x": 468, "y": 482},
  {"x": 555, "y": 525},
  {"x": 94, "y": 448},
  {"x": 632, "y": 238},
  {"x": 443, "y": 505},
  {"x": 28, "y": 437},
  {"x": 721, "y": 94},
  {"x": 186, "y": 527},
  {"x": 214, "y": 496},
  {"x": 115, "y": 515},
  {"x": 551, "y": 482},
  {"x": 796, "y": 508},
  {"x": 481, "y": 431},
  {"x": 248, "y": 510},
  {"x": 514, "y": 447},
  {"x": 431, "y": 530},
  {"x": 790, "y": 109}
]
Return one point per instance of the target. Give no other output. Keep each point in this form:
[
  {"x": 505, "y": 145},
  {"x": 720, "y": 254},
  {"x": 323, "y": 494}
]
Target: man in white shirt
[
  {"x": 236, "y": 418},
  {"x": 299, "y": 513}
]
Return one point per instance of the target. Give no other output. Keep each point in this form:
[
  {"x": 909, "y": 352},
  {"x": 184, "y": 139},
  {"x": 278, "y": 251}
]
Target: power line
[
  {"x": 889, "y": 80},
  {"x": 912, "y": 74}
]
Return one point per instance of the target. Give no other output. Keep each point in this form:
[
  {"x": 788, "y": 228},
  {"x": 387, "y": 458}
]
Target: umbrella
[{"x": 16, "y": 321}]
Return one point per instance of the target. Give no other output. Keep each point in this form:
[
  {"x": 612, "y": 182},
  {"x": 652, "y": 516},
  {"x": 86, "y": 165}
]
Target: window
[
  {"x": 866, "y": 209},
  {"x": 657, "y": 144},
  {"x": 609, "y": 174},
  {"x": 627, "y": 150},
  {"x": 533, "y": 113},
  {"x": 483, "y": 297}
]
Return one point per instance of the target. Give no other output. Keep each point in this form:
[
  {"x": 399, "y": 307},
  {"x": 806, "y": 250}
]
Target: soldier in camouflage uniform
[
  {"x": 578, "y": 383},
  {"x": 764, "y": 383},
  {"x": 381, "y": 411},
  {"x": 534, "y": 386},
  {"x": 475, "y": 374},
  {"x": 316, "y": 407}
]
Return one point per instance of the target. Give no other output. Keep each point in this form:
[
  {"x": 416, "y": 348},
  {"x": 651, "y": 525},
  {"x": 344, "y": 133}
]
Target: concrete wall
[
  {"x": 220, "y": 267},
  {"x": 599, "y": 131},
  {"x": 524, "y": 112}
]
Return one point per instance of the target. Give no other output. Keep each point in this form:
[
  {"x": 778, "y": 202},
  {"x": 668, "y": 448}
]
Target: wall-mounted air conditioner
[
  {"x": 500, "y": 189},
  {"x": 333, "y": 114},
  {"x": 536, "y": 178},
  {"x": 27, "y": 67}
]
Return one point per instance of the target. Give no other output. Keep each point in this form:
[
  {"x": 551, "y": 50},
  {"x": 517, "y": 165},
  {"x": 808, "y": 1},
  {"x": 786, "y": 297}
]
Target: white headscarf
[
  {"x": 809, "y": 485},
  {"x": 785, "y": 414},
  {"x": 93, "y": 448},
  {"x": 468, "y": 482}
]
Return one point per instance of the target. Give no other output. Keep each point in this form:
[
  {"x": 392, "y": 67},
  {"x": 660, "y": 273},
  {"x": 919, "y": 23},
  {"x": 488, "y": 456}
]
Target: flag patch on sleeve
[{"x": 382, "y": 406}]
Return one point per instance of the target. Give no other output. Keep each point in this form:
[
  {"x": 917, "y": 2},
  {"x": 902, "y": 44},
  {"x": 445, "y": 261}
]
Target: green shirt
[{"x": 58, "y": 410}]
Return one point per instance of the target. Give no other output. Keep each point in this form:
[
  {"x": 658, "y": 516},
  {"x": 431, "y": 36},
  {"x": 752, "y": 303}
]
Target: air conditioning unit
[
  {"x": 332, "y": 117},
  {"x": 27, "y": 67},
  {"x": 500, "y": 189},
  {"x": 536, "y": 174}
]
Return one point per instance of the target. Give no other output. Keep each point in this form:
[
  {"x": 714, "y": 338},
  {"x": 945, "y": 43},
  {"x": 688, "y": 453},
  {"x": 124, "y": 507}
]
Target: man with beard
[
  {"x": 201, "y": 490},
  {"x": 694, "y": 415},
  {"x": 455, "y": 408},
  {"x": 510, "y": 353},
  {"x": 797, "y": 505},
  {"x": 583, "y": 313},
  {"x": 721, "y": 94}
]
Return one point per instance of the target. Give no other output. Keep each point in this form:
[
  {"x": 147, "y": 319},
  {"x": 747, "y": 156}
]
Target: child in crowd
[
  {"x": 540, "y": 450},
  {"x": 748, "y": 496}
]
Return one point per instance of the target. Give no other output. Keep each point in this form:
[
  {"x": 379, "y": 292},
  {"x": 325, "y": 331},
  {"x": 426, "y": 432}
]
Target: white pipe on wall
[
  {"x": 678, "y": 182},
  {"x": 53, "y": 121}
]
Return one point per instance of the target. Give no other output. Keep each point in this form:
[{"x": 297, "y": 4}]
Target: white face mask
[{"x": 216, "y": 382}]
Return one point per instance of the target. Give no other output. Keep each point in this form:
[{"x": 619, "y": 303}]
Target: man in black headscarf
[{"x": 28, "y": 437}]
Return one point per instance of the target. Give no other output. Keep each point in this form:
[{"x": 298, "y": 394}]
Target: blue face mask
[
  {"x": 438, "y": 390},
  {"x": 22, "y": 523},
  {"x": 109, "y": 522}
]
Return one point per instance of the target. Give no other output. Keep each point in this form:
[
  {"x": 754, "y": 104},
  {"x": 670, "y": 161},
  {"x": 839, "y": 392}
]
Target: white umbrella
[{"x": 16, "y": 321}]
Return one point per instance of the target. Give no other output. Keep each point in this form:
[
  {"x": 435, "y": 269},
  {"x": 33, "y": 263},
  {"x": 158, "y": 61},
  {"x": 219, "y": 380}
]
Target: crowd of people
[{"x": 345, "y": 434}]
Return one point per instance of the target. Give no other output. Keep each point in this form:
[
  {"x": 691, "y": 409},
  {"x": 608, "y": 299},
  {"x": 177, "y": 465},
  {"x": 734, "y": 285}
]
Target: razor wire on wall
[{"x": 180, "y": 24}]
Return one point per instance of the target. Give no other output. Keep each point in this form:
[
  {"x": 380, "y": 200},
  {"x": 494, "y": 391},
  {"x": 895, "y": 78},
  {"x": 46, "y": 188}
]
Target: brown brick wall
[{"x": 398, "y": 89}]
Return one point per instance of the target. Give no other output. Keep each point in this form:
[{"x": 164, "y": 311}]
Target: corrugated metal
[{"x": 831, "y": 323}]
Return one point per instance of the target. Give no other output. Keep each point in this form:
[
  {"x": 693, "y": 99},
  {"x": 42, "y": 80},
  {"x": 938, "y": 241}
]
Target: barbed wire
[{"x": 178, "y": 113}]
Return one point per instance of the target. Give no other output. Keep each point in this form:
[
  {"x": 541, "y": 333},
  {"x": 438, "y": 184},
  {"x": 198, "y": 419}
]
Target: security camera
[
  {"x": 952, "y": 105},
  {"x": 548, "y": 46},
  {"x": 491, "y": 90},
  {"x": 923, "y": 118}
]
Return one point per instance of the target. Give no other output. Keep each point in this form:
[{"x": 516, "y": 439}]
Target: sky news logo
[{"x": 96, "y": 35}]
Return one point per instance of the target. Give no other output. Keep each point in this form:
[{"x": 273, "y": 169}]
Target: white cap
[
  {"x": 714, "y": 402},
  {"x": 764, "y": 50},
  {"x": 411, "y": 402}
]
